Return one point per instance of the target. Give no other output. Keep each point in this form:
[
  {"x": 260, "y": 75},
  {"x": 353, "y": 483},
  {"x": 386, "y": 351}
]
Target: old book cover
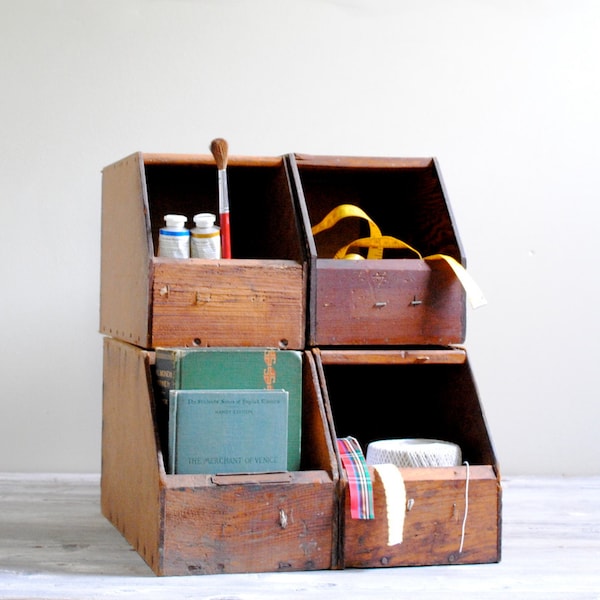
[
  {"x": 228, "y": 431},
  {"x": 236, "y": 368}
]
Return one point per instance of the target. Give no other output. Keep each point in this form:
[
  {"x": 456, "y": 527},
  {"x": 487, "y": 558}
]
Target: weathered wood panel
[
  {"x": 228, "y": 303},
  {"x": 433, "y": 521}
]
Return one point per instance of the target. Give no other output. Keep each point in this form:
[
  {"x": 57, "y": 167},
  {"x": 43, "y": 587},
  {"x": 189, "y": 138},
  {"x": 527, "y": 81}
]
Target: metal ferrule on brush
[{"x": 223, "y": 193}]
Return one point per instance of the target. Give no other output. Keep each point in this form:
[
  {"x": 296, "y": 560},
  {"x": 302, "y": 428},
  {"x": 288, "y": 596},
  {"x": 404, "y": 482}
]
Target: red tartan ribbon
[{"x": 359, "y": 480}]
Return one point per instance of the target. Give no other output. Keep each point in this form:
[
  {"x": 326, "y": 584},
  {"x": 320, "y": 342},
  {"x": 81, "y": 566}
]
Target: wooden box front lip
[
  {"x": 234, "y": 302},
  {"x": 250, "y": 528},
  {"x": 308, "y": 160},
  {"x": 399, "y": 355},
  {"x": 230, "y": 263},
  {"x": 362, "y": 162},
  {"x": 389, "y": 301},
  {"x": 447, "y": 520},
  {"x": 197, "y": 482},
  {"x": 173, "y": 158}
]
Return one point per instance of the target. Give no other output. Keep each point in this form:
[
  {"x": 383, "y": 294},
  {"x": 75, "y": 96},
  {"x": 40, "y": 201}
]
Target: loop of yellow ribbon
[
  {"x": 350, "y": 210},
  {"x": 377, "y": 242}
]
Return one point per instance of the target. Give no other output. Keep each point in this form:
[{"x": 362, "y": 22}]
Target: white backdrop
[{"x": 505, "y": 93}]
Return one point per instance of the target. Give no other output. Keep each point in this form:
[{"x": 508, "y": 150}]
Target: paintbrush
[{"x": 219, "y": 149}]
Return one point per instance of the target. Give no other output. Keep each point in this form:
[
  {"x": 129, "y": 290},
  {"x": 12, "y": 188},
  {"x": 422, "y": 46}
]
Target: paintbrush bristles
[{"x": 219, "y": 149}]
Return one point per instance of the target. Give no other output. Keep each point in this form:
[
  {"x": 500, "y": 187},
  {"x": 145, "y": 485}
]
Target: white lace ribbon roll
[{"x": 414, "y": 452}]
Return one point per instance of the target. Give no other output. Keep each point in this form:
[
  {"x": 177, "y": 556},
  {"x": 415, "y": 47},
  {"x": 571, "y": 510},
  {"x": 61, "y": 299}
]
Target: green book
[
  {"x": 228, "y": 431},
  {"x": 236, "y": 368}
]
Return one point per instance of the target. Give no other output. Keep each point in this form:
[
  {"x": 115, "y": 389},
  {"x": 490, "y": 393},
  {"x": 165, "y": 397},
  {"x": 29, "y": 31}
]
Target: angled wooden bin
[
  {"x": 416, "y": 393},
  {"x": 206, "y": 524},
  {"x": 400, "y": 300},
  {"x": 257, "y": 298}
]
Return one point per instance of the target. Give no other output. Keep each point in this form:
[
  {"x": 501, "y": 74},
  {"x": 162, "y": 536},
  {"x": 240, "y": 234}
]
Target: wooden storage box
[
  {"x": 201, "y": 524},
  {"x": 400, "y": 300},
  {"x": 257, "y": 298},
  {"x": 416, "y": 393}
]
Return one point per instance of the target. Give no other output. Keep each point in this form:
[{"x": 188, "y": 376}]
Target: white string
[{"x": 464, "y": 524}]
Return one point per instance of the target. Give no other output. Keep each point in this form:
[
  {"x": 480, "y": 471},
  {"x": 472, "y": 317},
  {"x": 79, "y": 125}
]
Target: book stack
[{"x": 230, "y": 409}]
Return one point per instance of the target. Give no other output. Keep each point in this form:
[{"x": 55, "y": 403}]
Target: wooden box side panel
[
  {"x": 228, "y": 303},
  {"x": 436, "y": 507},
  {"x": 250, "y": 528},
  {"x": 125, "y": 262},
  {"x": 130, "y": 494},
  {"x": 318, "y": 452},
  {"x": 385, "y": 302},
  {"x": 467, "y": 419}
]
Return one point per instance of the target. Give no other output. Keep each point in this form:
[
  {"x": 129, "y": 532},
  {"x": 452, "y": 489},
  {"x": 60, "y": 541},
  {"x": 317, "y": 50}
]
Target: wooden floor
[{"x": 54, "y": 543}]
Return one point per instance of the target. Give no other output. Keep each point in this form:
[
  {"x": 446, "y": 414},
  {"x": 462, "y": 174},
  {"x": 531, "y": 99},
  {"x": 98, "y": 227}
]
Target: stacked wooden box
[{"x": 377, "y": 337}]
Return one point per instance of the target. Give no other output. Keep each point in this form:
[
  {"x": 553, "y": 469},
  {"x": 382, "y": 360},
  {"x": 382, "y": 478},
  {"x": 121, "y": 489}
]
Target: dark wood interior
[
  {"x": 263, "y": 223},
  {"x": 384, "y": 401}
]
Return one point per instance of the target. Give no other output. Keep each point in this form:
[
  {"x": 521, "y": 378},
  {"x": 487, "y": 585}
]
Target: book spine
[
  {"x": 166, "y": 374},
  {"x": 172, "y": 443}
]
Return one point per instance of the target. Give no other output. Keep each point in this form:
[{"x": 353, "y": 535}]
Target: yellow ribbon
[
  {"x": 377, "y": 242},
  {"x": 349, "y": 210},
  {"x": 473, "y": 291}
]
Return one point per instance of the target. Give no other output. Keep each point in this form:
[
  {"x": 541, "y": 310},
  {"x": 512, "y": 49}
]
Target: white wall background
[{"x": 506, "y": 93}]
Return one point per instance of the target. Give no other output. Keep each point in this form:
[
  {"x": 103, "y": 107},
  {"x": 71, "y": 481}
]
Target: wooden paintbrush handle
[{"x": 225, "y": 236}]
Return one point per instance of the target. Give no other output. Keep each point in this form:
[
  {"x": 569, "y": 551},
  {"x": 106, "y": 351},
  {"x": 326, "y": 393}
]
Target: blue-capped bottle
[{"x": 174, "y": 238}]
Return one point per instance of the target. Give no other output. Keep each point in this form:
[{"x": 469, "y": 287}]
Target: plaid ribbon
[{"x": 359, "y": 480}]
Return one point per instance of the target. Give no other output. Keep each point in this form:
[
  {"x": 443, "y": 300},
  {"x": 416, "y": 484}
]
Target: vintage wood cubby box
[
  {"x": 207, "y": 524},
  {"x": 400, "y": 300},
  {"x": 382, "y": 358},
  {"x": 425, "y": 392},
  {"x": 255, "y": 299}
]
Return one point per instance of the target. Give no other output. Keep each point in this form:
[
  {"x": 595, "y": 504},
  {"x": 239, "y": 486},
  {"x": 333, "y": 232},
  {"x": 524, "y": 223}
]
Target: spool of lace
[{"x": 414, "y": 452}]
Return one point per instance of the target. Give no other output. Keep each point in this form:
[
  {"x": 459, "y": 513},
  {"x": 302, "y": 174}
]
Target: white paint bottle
[
  {"x": 174, "y": 238},
  {"x": 206, "y": 237}
]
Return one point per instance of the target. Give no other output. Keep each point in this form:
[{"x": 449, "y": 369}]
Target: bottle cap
[
  {"x": 204, "y": 220},
  {"x": 175, "y": 221}
]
